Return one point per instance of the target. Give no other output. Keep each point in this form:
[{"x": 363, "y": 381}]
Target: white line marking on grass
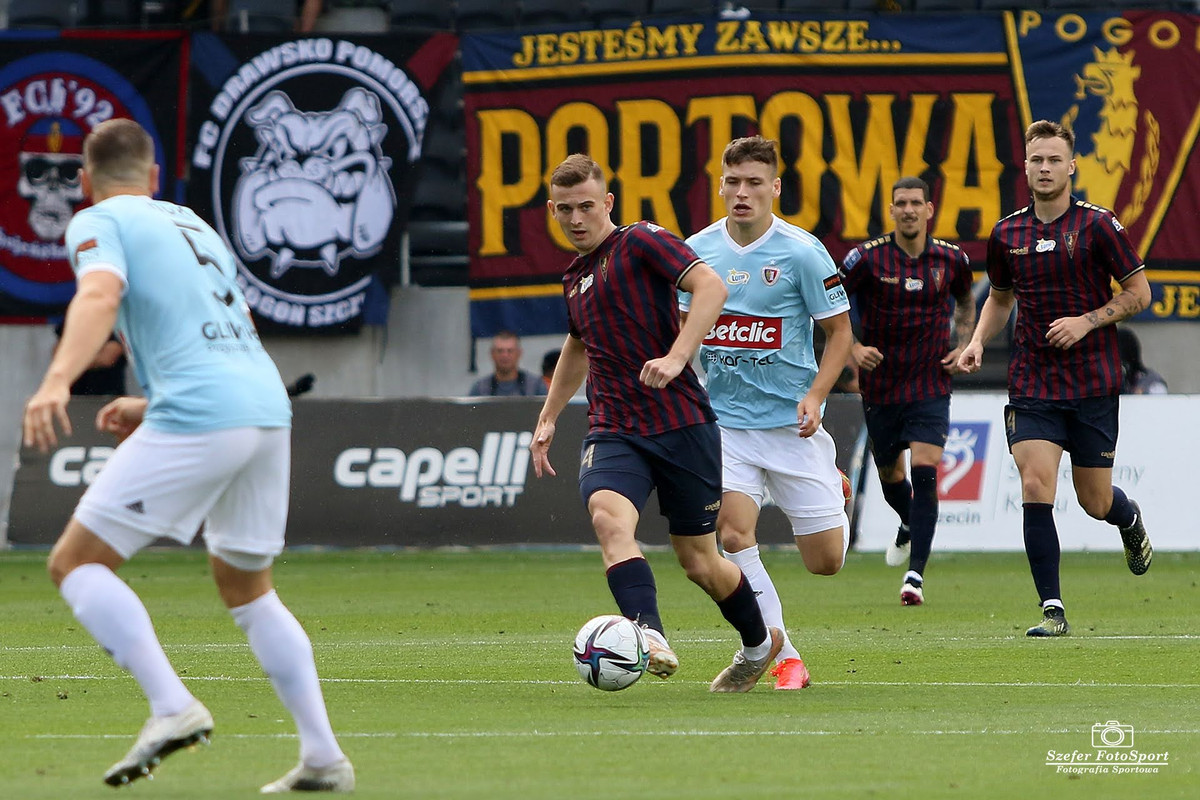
[
  {"x": 549, "y": 641},
  {"x": 606, "y": 733},
  {"x": 518, "y": 682}
]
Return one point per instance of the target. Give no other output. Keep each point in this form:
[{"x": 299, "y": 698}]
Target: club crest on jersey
[
  {"x": 1045, "y": 245},
  {"x": 938, "y": 274},
  {"x": 604, "y": 268},
  {"x": 299, "y": 155},
  {"x": 770, "y": 274},
  {"x": 913, "y": 284},
  {"x": 736, "y": 277},
  {"x": 1071, "y": 237},
  {"x": 586, "y": 283}
]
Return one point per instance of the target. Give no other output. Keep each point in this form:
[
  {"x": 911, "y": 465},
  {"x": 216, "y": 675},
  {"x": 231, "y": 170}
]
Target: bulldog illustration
[{"x": 318, "y": 188}]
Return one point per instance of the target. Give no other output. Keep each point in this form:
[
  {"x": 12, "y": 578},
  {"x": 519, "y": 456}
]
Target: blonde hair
[{"x": 118, "y": 152}]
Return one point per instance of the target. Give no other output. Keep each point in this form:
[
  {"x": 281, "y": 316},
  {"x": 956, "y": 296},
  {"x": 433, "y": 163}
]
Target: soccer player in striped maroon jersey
[
  {"x": 903, "y": 285},
  {"x": 1056, "y": 259},
  {"x": 650, "y": 425}
]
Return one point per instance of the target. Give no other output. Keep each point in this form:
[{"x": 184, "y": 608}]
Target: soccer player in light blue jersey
[
  {"x": 208, "y": 444},
  {"x": 765, "y": 384}
]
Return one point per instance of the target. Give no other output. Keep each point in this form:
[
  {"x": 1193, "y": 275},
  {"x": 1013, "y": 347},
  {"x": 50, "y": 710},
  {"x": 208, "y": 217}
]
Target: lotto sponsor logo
[
  {"x": 964, "y": 459},
  {"x": 494, "y": 475},
  {"x": 760, "y": 333}
]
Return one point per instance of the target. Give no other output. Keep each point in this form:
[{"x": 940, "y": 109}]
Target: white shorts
[
  {"x": 234, "y": 481},
  {"x": 800, "y": 474}
]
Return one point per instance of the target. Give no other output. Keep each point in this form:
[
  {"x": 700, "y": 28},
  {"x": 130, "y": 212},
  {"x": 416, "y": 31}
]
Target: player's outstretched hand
[
  {"x": 658, "y": 372},
  {"x": 971, "y": 358},
  {"x": 121, "y": 416},
  {"x": 539, "y": 448},
  {"x": 47, "y": 406}
]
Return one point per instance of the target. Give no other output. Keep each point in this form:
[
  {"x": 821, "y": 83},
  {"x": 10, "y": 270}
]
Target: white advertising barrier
[{"x": 980, "y": 491}]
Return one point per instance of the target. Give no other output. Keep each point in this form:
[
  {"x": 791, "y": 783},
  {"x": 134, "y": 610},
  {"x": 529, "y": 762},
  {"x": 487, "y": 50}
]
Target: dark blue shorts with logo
[
  {"x": 892, "y": 427},
  {"x": 1085, "y": 428},
  {"x": 684, "y": 465}
]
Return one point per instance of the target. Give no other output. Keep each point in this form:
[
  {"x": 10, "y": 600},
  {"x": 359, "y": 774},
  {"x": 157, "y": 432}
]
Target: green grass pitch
[{"x": 448, "y": 675}]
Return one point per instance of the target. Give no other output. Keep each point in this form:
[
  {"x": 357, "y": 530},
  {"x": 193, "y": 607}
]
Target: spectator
[
  {"x": 357, "y": 16},
  {"x": 1138, "y": 378},
  {"x": 549, "y": 362},
  {"x": 508, "y": 379}
]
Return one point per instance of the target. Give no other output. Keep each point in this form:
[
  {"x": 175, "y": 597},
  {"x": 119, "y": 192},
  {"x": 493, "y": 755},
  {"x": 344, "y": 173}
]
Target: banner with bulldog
[
  {"x": 303, "y": 156},
  {"x": 855, "y": 100},
  {"x": 54, "y": 88}
]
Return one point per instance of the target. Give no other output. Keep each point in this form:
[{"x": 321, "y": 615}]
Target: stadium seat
[
  {"x": 616, "y": 12},
  {"x": 438, "y": 199},
  {"x": 261, "y": 16},
  {"x": 423, "y": 14},
  {"x": 484, "y": 15},
  {"x": 753, "y": 6},
  {"x": 682, "y": 8},
  {"x": 111, "y": 13},
  {"x": 551, "y": 12},
  {"x": 444, "y": 150},
  {"x": 810, "y": 6},
  {"x": 880, "y": 6},
  {"x": 43, "y": 14},
  {"x": 946, "y": 6}
]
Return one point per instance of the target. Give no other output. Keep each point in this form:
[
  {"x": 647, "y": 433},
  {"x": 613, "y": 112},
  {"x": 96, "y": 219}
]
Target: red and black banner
[
  {"x": 303, "y": 156},
  {"x": 54, "y": 88}
]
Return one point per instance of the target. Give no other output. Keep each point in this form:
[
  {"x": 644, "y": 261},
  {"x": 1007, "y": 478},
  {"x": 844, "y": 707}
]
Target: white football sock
[
  {"x": 764, "y": 590},
  {"x": 115, "y": 617},
  {"x": 285, "y": 652}
]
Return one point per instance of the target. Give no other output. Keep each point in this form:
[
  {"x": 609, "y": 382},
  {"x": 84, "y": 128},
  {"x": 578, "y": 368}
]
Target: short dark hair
[
  {"x": 576, "y": 169},
  {"x": 1045, "y": 129},
  {"x": 911, "y": 182},
  {"x": 549, "y": 362},
  {"x": 752, "y": 148},
  {"x": 118, "y": 152}
]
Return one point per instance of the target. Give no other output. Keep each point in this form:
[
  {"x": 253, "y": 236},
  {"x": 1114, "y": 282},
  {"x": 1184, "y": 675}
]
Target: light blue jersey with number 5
[{"x": 182, "y": 318}]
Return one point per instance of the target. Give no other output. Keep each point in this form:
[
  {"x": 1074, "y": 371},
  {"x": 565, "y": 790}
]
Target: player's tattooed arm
[{"x": 1127, "y": 302}]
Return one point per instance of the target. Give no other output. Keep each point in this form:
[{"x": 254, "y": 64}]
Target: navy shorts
[
  {"x": 1085, "y": 428},
  {"x": 892, "y": 427},
  {"x": 684, "y": 465}
]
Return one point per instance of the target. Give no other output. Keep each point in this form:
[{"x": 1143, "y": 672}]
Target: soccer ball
[{"x": 610, "y": 652}]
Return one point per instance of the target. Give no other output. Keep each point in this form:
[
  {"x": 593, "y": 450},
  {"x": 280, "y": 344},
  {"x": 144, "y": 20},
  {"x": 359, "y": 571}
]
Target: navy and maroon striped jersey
[
  {"x": 1063, "y": 268},
  {"x": 904, "y": 306},
  {"x": 621, "y": 302}
]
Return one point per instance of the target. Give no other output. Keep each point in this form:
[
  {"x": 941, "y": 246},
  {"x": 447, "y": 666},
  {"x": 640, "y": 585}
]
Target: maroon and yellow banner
[{"x": 854, "y": 102}]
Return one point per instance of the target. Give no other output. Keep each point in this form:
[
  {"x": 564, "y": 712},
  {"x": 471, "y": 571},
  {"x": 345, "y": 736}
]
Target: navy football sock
[
  {"x": 1042, "y": 549},
  {"x": 742, "y": 611},
  {"x": 632, "y": 585},
  {"x": 1121, "y": 513},
  {"x": 922, "y": 516},
  {"x": 899, "y": 496}
]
